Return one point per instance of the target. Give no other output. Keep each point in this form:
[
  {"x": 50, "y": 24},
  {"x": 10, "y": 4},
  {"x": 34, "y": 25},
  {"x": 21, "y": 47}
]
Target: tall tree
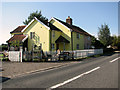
[
  {"x": 104, "y": 35},
  {"x": 38, "y": 15}
]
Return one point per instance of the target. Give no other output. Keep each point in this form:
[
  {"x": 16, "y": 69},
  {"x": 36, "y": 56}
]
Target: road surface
[{"x": 101, "y": 72}]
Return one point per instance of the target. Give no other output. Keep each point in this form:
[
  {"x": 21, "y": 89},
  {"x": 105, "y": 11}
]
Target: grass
[
  {"x": 2, "y": 58},
  {"x": 1, "y": 54}
]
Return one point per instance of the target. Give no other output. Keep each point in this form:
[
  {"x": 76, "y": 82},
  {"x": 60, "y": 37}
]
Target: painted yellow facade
[
  {"x": 46, "y": 37},
  {"x": 79, "y": 41},
  {"x": 41, "y": 36},
  {"x": 65, "y": 33}
]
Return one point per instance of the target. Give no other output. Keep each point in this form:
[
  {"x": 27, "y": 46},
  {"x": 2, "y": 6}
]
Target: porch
[
  {"x": 62, "y": 43},
  {"x": 17, "y": 41}
]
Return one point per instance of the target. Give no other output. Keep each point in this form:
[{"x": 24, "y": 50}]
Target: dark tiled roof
[
  {"x": 52, "y": 27},
  {"x": 62, "y": 39},
  {"x": 18, "y": 29},
  {"x": 17, "y": 37},
  {"x": 74, "y": 28}
]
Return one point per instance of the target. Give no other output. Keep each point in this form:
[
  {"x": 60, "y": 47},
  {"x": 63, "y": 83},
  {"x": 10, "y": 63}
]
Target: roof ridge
[
  {"x": 22, "y": 25},
  {"x": 72, "y": 26}
]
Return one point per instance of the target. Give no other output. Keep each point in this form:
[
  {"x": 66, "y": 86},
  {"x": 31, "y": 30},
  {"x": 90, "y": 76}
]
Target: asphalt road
[{"x": 101, "y": 72}]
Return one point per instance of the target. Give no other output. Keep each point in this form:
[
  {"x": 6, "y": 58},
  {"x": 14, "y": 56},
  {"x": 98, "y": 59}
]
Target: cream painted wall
[
  {"x": 65, "y": 33},
  {"x": 41, "y": 35},
  {"x": 79, "y": 41}
]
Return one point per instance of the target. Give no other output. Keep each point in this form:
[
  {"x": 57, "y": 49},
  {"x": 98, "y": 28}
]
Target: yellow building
[{"x": 56, "y": 34}]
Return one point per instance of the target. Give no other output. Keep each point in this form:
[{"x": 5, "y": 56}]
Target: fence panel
[
  {"x": 15, "y": 55},
  {"x": 52, "y": 55},
  {"x": 74, "y": 54},
  {"x": 86, "y": 53}
]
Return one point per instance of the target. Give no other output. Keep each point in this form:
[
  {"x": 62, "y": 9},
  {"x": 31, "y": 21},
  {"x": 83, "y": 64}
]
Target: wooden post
[{"x": 21, "y": 50}]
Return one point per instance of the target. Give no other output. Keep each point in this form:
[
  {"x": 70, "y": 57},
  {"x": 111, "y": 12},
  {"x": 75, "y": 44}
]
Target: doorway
[{"x": 57, "y": 46}]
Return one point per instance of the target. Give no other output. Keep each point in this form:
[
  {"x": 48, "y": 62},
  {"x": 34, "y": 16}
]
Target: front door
[{"x": 57, "y": 46}]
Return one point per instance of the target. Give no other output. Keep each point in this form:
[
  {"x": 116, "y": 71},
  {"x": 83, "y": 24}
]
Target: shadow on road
[
  {"x": 108, "y": 54},
  {"x": 3, "y": 79}
]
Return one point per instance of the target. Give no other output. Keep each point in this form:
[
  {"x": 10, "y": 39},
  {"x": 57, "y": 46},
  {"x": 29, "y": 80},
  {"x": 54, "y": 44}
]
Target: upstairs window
[
  {"x": 88, "y": 38},
  {"x": 32, "y": 35},
  {"x": 78, "y": 35}
]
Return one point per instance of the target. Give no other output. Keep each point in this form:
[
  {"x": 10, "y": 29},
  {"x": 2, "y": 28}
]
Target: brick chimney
[{"x": 69, "y": 20}]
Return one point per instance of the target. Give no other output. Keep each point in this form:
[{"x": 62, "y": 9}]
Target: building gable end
[
  {"x": 32, "y": 22},
  {"x": 60, "y": 23}
]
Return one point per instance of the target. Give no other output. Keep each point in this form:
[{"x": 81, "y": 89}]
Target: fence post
[{"x": 21, "y": 54}]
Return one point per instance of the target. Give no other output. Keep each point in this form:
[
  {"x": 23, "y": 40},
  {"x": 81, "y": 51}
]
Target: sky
[{"x": 87, "y": 15}]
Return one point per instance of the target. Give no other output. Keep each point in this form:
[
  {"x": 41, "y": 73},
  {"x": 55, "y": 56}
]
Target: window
[
  {"x": 78, "y": 35},
  {"x": 88, "y": 37},
  {"x": 32, "y": 35},
  {"x": 53, "y": 33},
  {"x": 77, "y": 46},
  {"x": 53, "y": 46}
]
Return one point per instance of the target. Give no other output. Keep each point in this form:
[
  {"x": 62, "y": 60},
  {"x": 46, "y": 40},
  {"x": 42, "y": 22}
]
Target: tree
[
  {"x": 96, "y": 43},
  {"x": 3, "y": 47},
  {"x": 118, "y": 45},
  {"x": 104, "y": 35},
  {"x": 116, "y": 41},
  {"x": 38, "y": 15}
]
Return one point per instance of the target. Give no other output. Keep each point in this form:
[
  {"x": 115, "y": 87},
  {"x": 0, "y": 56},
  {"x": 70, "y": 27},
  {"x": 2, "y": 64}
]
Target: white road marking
[
  {"x": 114, "y": 59},
  {"x": 74, "y": 78}
]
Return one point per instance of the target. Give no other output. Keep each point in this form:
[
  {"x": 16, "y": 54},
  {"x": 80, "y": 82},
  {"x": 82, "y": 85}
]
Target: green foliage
[
  {"x": 36, "y": 14},
  {"x": 3, "y": 47},
  {"x": 104, "y": 35},
  {"x": 15, "y": 43},
  {"x": 116, "y": 41},
  {"x": 96, "y": 43}
]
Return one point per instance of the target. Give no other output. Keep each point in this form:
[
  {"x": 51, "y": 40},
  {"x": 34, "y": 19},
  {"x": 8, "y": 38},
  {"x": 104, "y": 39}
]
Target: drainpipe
[
  {"x": 72, "y": 40},
  {"x": 50, "y": 40},
  {"x": 72, "y": 43}
]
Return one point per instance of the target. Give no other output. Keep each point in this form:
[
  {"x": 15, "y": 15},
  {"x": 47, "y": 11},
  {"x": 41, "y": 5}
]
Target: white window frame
[
  {"x": 32, "y": 35},
  {"x": 78, "y": 35}
]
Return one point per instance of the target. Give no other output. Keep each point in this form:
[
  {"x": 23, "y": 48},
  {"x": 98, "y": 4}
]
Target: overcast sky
[{"x": 87, "y": 15}]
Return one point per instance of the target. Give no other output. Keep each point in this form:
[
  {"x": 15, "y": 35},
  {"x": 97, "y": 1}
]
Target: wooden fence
[{"x": 15, "y": 56}]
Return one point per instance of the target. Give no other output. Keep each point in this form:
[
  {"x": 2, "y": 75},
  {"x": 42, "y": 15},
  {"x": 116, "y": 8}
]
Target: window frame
[
  {"x": 32, "y": 35},
  {"x": 77, "y": 46},
  {"x": 78, "y": 36}
]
